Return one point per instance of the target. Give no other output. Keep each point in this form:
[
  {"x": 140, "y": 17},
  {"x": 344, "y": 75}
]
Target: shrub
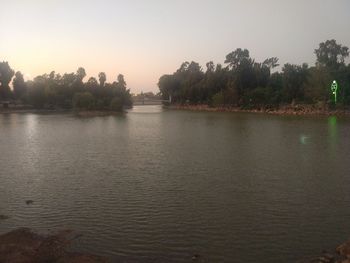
[
  {"x": 116, "y": 104},
  {"x": 83, "y": 100}
]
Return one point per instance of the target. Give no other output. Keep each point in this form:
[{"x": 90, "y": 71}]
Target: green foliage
[
  {"x": 116, "y": 104},
  {"x": 67, "y": 91},
  {"x": 294, "y": 78},
  {"x": 218, "y": 100},
  {"x": 248, "y": 84},
  {"x": 237, "y": 57},
  {"x": 83, "y": 101},
  {"x": 331, "y": 55},
  {"x": 317, "y": 86}
]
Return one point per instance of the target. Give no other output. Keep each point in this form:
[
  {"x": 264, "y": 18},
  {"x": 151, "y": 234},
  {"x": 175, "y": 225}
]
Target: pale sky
[{"x": 144, "y": 39}]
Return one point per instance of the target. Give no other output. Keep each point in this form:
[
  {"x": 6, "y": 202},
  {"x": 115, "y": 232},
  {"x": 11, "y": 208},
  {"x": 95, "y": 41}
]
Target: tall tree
[
  {"x": 6, "y": 74},
  {"x": 81, "y": 74},
  {"x": 210, "y": 66},
  {"x": 294, "y": 80},
  {"x": 91, "y": 83},
  {"x": 271, "y": 62},
  {"x": 121, "y": 82},
  {"x": 237, "y": 57},
  {"x": 331, "y": 55},
  {"x": 102, "y": 78},
  {"x": 19, "y": 86}
]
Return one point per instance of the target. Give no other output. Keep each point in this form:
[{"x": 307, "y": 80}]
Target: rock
[
  {"x": 344, "y": 249},
  {"x": 3, "y": 217},
  {"x": 29, "y": 202},
  {"x": 24, "y": 246}
]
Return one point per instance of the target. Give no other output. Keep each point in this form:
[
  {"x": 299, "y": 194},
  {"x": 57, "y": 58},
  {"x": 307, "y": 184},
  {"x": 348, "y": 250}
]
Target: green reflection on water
[{"x": 332, "y": 133}]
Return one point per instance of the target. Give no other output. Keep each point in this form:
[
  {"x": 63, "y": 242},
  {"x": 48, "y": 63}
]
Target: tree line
[
  {"x": 245, "y": 83},
  {"x": 65, "y": 91}
]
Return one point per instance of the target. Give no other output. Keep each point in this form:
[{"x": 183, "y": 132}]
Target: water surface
[{"x": 156, "y": 185}]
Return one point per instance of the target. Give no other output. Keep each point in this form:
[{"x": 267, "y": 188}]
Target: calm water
[{"x": 160, "y": 186}]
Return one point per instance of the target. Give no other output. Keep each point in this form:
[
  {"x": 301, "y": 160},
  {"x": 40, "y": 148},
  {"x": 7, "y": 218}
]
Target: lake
[{"x": 157, "y": 185}]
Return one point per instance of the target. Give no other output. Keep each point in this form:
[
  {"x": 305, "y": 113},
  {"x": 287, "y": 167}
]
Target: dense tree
[
  {"x": 247, "y": 83},
  {"x": 237, "y": 57},
  {"x": 83, "y": 100},
  {"x": 294, "y": 78},
  {"x": 102, "y": 78},
  {"x": 92, "y": 83},
  {"x": 19, "y": 85},
  {"x": 68, "y": 91},
  {"x": 271, "y": 62},
  {"x": 6, "y": 74},
  {"x": 116, "y": 104},
  {"x": 81, "y": 74},
  {"x": 331, "y": 55},
  {"x": 121, "y": 82}
]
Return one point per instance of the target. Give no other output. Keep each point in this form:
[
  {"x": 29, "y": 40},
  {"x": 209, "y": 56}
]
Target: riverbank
[
  {"x": 24, "y": 246},
  {"x": 340, "y": 255},
  {"x": 282, "y": 110}
]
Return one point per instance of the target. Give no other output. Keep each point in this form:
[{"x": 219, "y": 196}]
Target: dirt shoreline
[
  {"x": 24, "y": 246},
  {"x": 283, "y": 110}
]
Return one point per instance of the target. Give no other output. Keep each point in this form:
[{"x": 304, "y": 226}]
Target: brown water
[{"x": 160, "y": 186}]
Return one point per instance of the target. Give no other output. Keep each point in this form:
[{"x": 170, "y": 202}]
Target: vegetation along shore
[
  {"x": 55, "y": 92},
  {"x": 248, "y": 85}
]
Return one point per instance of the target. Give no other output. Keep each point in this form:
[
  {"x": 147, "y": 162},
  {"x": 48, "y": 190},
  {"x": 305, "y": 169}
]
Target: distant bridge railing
[{"x": 150, "y": 102}]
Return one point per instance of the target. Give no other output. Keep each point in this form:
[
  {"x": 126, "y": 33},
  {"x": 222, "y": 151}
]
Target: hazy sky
[{"x": 144, "y": 39}]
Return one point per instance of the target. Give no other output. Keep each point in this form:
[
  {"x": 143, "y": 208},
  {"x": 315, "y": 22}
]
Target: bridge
[{"x": 147, "y": 101}]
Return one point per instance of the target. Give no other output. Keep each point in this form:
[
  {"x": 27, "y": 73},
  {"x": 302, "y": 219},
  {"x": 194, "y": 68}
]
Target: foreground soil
[
  {"x": 340, "y": 255},
  {"x": 24, "y": 246}
]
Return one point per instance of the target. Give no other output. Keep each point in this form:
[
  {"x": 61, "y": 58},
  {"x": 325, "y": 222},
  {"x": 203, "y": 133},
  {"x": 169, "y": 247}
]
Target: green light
[{"x": 334, "y": 88}]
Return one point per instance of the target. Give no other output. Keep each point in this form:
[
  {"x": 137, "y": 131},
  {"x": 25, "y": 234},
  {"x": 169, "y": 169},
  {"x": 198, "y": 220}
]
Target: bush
[
  {"x": 116, "y": 104},
  {"x": 218, "y": 99},
  {"x": 83, "y": 100},
  {"x": 37, "y": 97}
]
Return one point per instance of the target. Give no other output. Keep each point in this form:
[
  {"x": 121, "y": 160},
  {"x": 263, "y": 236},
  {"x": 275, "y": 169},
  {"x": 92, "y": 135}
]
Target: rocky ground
[
  {"x": 282, "y": 110},
  {"x": 340, "y": 255},
  {"x": 24, "y": 246}
]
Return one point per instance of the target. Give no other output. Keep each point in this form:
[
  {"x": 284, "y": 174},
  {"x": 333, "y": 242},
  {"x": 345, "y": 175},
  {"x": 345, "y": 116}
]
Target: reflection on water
[
  {"x": 332, "y": 133},
  {"x": 147, "y": 109},
  {"x": 304, "y": 139}
]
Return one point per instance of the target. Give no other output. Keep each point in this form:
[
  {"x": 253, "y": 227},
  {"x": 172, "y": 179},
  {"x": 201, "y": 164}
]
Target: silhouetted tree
[
  {"x": 83, "y": 100},
  {"x": 81, "y": 74},
  {"x": 102, "y": 78},
  {"x": 235, "y": 58},
  {"x": 331, "y": 54},
  {"x": 294, "y": 78},
  {"x": 6, "y": 74},
  {"x": 19, "y": 86},
  {"x": 121, "y": 82}
]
